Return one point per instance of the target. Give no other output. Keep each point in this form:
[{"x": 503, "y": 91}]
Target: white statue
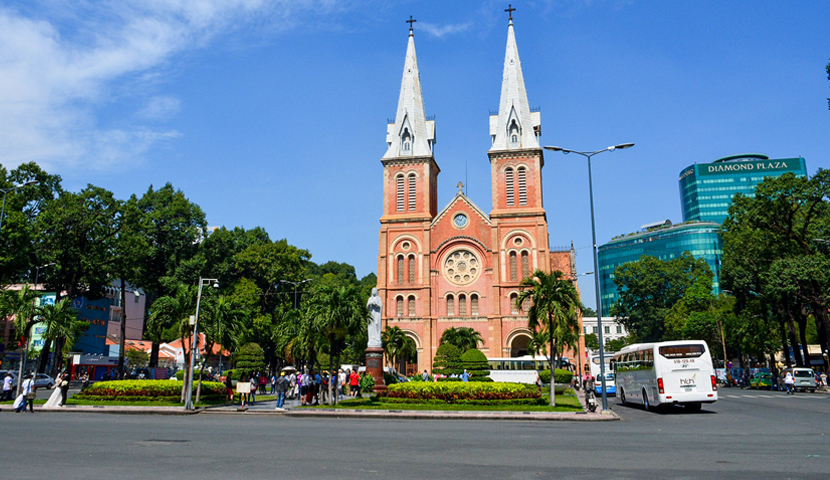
[{"x": 375, "y": 307}]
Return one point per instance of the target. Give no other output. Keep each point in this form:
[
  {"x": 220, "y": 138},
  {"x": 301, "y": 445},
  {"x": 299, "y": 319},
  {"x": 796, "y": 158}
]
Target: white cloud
[
  {"x": 160, "y": 108},
  {"x": 441, "y": 30},
  {"x": 59, "y": 61}
]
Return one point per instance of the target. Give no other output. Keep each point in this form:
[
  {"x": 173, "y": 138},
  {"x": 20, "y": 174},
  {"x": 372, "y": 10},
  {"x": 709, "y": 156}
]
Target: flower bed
[
  {"x": 146, "y": 390},
  {"x": 452, "y": 392}
]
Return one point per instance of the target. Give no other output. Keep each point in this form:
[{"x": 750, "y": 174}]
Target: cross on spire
[
  {"x": 460, "y": 186},
  {"x": 510, "y": 11},
  {"x": 410, "y": 22}
]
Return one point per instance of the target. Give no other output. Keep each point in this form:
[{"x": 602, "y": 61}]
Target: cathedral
[{"x": 459, "y": 266}]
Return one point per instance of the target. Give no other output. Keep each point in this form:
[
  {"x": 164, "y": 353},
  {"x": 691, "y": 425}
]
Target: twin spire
[{"x": 515, "y": 126}]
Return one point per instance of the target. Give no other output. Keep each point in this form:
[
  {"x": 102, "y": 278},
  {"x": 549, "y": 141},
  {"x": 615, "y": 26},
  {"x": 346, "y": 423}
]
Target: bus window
[{"x": 682, "y": 351}]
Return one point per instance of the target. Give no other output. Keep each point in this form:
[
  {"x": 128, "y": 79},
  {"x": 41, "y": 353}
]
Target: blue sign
[{"x": 96, "y": 313}]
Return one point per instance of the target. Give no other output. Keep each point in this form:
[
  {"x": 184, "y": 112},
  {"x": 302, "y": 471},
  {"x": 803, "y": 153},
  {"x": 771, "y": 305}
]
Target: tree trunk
[
  {"x": 799, "y": 362},
  {"x": 783, "y": 329},
  {"x": 154, "y": 354},
  {"x": 44, "y": 356},
  {"x": 822, "y": 326},
  {"x": 802, "y": 336}
]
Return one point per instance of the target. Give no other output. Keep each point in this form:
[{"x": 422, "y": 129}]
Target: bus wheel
[
  {"x": 693, "y": 407},
  {"x": 622, "y": 397},
  {"x": 646, "y": 406}
]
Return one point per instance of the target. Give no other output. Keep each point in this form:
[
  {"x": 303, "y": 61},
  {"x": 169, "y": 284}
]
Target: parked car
[
  {"x": 805, "y": 379},
  {"x": 42, "y": 380},
  {"x": 761, "y": 380}
]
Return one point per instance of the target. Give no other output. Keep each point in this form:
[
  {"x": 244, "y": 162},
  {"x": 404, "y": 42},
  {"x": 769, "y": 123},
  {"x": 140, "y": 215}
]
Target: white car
[{"x": 43, "y": 380}]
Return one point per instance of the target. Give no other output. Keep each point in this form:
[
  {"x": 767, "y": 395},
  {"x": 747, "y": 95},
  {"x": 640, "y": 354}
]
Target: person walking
[
  {"x": 465, "y": 377},
  {"x": 7, "y": 386},
  {"x": 253, "y": 388},
  {"x": 341, "y": 383},
  {"x": 425, "y": 375},
  {"x": 28, "y": 394},
  {"x": 347, "y": 382},
  {"x": 354, "y": 383},
  {"x": 229, "y": 388},
  {"x": 281, "y": 388},
  {"x": 273, "y": 384},
  {"x": 789, "y": 381}
]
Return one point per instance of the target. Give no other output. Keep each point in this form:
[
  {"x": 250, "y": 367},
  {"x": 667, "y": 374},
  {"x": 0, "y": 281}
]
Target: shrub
[
  {"x": 145, "y": 390},
  {"x": 389, "y": 379},
  {"x": 196, "y": 372},
  {"x": 452, "y": 392},
  {"x": 251, "y": 359},
  {"x": 367, "y": 383},
  {"x": 513, "y": 401},
  {"x": 562, "y": 376},
  {"x": 447, "y": 360},
  {"x": 476, "y": 364}
]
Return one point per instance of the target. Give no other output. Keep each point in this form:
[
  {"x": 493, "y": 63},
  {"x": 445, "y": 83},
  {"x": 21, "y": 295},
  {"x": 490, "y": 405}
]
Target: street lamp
[
  {"x": 26, "y": 347},
  {"x": 6, "y": 192},
  {"x": 588, "y": 155},
  {"x": 188, "y": 405},
  {"x": 296, "y": 284}
]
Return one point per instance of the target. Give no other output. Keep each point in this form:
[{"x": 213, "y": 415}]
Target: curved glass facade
[
  {"x": 706, "y": 189},
  {"x": 701, "y": 239}
]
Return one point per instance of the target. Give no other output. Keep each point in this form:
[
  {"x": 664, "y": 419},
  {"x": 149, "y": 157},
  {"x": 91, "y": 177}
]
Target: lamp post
[
  {"x": 6, "y": 192},
  {"x": 588, "y": 155},
  {"x": 194, "y": 343},
  {"x": 296, "y": 284},
  {"x": 26, "y": 346}
]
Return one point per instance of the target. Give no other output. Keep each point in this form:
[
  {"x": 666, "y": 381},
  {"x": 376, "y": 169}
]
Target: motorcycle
[{"x": 590, "y": 397}]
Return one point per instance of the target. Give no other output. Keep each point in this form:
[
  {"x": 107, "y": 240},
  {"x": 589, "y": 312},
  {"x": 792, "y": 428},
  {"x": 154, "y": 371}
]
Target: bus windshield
[{"x": 681, "y": 351}]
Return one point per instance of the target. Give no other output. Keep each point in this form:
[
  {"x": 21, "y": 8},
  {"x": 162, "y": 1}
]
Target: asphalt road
[{"x": 747, "y": 434}]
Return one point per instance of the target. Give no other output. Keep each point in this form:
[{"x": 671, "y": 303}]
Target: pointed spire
[
  {"x": 515, "y": 127},
  {"x": 411, "y": 134}
]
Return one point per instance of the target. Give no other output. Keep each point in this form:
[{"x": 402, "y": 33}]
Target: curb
[
  {"x": 114, "y": 410},
  {"x": 427, "y": 415}
]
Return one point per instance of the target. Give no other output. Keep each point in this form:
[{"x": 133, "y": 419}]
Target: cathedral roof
[
  {"x": 514, "y": 111},
  {"x": 412, "y": 135},
  {"x": 460, "y": 197}
]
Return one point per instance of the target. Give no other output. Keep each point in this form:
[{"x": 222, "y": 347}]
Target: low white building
[{"x": 611, "y": 328}]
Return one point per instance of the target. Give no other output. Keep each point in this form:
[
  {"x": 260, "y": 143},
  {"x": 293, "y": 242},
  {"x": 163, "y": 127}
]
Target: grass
[{"x": 564, "y": 403}]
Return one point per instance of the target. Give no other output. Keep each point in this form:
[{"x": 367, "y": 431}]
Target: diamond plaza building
[
  {"x": 706, "y": 191},
  {"x": 460, "y": 266}
]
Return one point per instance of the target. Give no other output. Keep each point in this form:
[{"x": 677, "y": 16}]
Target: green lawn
[{"x": 564, "y": 403}]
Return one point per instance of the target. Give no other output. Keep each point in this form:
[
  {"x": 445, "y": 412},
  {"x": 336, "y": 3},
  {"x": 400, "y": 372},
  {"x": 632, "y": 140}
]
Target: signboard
[
  {"x": 36, "y": 340},
  {"x": 759, "y": 167},
  {"x": 96, "y": 313}
]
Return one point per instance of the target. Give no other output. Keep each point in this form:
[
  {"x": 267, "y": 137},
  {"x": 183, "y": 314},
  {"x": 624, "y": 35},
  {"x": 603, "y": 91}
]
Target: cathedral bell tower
[{"x": 410, "y": 200}]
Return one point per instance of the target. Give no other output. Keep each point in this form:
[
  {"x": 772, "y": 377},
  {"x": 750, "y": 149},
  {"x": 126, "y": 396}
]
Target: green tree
[
  {"x": 137, "y": 358},
  {"x": 173, "y": 312},
  {"x": 21, "y": 305},
  {"x": 61, "y": 321},
  {"x": 334, "y": 312},
  {"x": 221, "y": 323},
  {"x": 617, "y": 344},
  {"x": 554, "y": 305},
  {"x": 447, "y": 360},
  {"x": 649, "y": 288},
  {"x": 398, "y": 347},
  {"x": 464, "y": 338},
  {"x": 592, "y": 342}
]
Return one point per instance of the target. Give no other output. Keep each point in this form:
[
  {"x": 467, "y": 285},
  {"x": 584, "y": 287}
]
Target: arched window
[
  {"x": 514, "y": 132},
  {"x": 450, "y": 306},
  {"x": 525, "y": 265},
  {"x": 508, "y": 186},
  {"x": 513, "y": 268},
  {"x": 406, "y": 141},
  {"x": 400, "y": 269},
  {"x": 411, "y": 191},
  {"x": 412, "y": 269},
  {"x": 411, "y": 306},
  {"x": 474, "y": 304},
  {"x": 522, "y": 171},
  {"x": 399, "y": 305},
  {"x": 514, "y": 309},
  {"x": 399, "y": 180},
  {"x": 462, "y": 305}
]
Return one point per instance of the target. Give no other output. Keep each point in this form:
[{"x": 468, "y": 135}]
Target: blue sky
[{"x": 273, "y": 113}]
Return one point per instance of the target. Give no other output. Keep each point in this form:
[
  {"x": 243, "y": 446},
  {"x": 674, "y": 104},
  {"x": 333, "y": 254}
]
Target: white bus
[
  {"x": 654, "y": 374},
  {"x": 610, "y": 385},
  {"x": 520, "y": 369}
]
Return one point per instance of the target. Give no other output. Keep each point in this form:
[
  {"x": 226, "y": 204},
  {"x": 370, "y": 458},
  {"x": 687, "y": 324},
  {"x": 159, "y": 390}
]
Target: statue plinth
[{"x": 374, "y": 367}]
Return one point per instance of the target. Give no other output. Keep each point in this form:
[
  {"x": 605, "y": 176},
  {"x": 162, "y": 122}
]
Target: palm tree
[
  {"x": 464, "y": 338},
  {"x": 333, "y": 313},
  {"x": 538, "y": 343},
  {"x": 61, "y": 321},
  {"x": 175, "y": 311},
  {"x": 398, "y": 347},
  {"x": 21, "y": 305},
  {"x": 554, "y": 303},
  {"x": 222, "y": 323}
]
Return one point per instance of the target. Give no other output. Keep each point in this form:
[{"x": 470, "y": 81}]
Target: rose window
[{"x": 462, "y": 267}]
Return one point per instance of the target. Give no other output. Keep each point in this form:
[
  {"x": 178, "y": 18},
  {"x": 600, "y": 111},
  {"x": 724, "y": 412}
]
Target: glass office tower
[
  {"x": 706, "y": 189},
  {"x": 664, "y": 241}
]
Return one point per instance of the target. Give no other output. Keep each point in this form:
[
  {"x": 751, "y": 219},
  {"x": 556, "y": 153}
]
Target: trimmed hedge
[
  {"x": 250, "y": 360},
  {"x": 477, "y": 365},
  {"x": 145, "y": 390},
  {"x": 196, "y": 373},
  {"x": 562, "y": 376},
  {"x": 514, "y": 401},
  {"x": 452, "y": 392},
  {"x": 447, "y": 360}
]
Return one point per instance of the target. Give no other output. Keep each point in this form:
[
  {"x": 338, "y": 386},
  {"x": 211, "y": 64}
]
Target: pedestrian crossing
[{"x": 772, "y": 395}]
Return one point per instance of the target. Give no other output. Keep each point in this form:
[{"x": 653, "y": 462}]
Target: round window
[{"x": 462, "y": 267}]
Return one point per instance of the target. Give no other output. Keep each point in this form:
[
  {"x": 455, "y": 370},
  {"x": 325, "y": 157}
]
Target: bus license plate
[{"x": 688, "y": 389}]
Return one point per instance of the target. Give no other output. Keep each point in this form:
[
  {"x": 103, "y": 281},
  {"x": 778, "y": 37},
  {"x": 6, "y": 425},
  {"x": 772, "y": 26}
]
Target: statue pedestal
[{"x": 374, "y": 367}]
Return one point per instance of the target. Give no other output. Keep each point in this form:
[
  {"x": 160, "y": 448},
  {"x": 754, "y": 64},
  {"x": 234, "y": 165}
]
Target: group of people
[{"x": 28, "y": 392}]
